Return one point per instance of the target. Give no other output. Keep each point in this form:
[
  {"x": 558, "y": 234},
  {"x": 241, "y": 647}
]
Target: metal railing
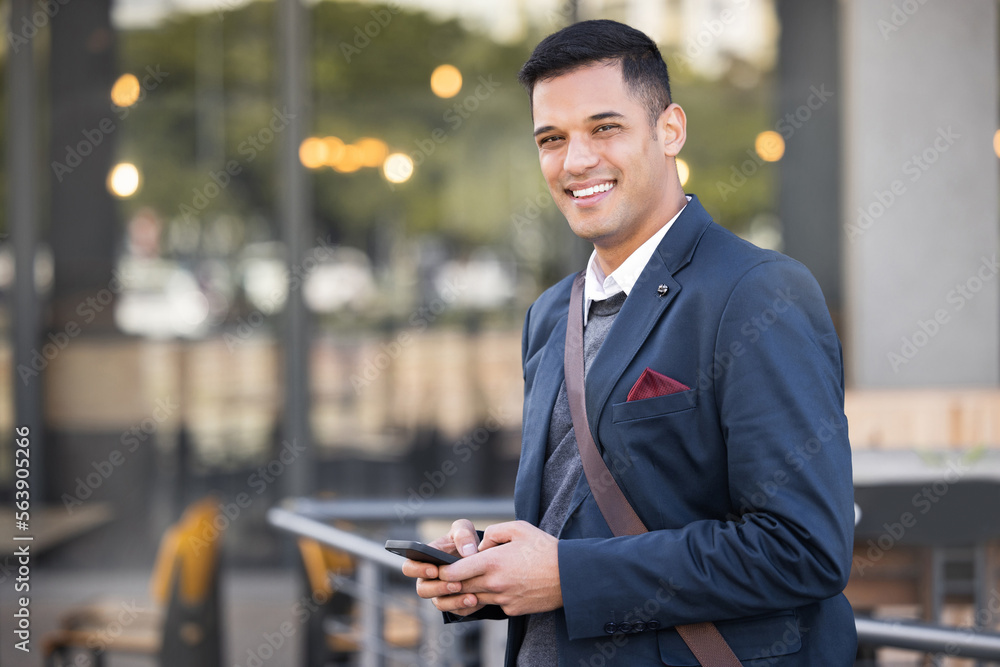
[
  {"x": 929, "y": 638},
  {"x": 308, "y": 517}
]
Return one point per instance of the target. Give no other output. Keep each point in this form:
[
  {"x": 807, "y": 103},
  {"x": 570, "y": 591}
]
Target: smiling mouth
[{"x": 593, "y": 190}]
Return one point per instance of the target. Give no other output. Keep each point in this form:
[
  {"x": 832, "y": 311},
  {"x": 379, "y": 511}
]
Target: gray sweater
[{"x": 560, "y": 477}]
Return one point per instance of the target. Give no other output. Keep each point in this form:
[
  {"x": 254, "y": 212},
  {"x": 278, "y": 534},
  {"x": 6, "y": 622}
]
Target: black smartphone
[{"x": 419, "y": 551}]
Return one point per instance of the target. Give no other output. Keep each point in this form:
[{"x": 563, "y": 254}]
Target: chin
[{"x": 586, "y": 232}]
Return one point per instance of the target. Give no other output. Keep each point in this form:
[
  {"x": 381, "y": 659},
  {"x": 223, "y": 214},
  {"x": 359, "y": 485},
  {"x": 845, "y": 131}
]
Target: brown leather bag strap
[
  {"x": 708, "y": 645},
  {"x": 614, "y": 505},
  {"x": 703, "y": 639}
]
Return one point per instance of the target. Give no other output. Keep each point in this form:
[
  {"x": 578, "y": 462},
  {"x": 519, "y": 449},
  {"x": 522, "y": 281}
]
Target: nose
[{"x": 580, "y": 156}]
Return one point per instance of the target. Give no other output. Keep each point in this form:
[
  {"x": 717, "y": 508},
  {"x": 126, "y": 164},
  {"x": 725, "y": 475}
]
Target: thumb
[{"x": 465, "y": 538}]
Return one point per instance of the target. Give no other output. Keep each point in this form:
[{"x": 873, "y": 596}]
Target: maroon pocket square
[{"x": 652, "y": 384}]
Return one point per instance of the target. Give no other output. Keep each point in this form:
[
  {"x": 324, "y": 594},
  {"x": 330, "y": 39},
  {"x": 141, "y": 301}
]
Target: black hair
[{"x": 588, "y": 42}]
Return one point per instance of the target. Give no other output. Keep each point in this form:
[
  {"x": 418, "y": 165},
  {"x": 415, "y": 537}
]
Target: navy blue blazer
[{"x": 744, "y": 481}]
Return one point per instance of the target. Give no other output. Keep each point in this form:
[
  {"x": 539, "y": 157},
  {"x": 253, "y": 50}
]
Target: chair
[
  {"x": 333, "y": 635},
  {"x": 334, "y": 607},
  {"x": 184, "y": 629}
]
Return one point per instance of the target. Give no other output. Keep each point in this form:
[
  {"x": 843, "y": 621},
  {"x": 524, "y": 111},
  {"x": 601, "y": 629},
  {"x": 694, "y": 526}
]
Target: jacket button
[
  {"x": 638, "y": 626},
  {"x": 610, "y": 628},
  {"x": 652, "y": 625},
  {"x": 625, "y": 627}
]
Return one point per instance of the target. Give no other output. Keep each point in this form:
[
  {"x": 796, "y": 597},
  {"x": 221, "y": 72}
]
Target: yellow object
[
  {"x": 770, "y": 146},
  {"x": 312, "y": 153},
  {"x": 126, "y": 90},
  {"x": 373, "y": 151},
  {"x": 319, "y": 562},
  {"x": 446, "y": 81},
  {"x": 188, "y": 554}
]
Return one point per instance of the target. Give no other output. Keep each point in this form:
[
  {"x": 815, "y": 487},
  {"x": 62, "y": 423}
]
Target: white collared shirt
[{"x": 598, "y": 287}]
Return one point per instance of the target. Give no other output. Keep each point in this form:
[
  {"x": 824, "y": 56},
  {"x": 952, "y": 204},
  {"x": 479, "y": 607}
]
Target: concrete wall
[{"x": 920, "y": 193}]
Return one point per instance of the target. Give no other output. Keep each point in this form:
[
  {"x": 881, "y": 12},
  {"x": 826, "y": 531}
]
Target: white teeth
[{"x": 603, "y": 187}]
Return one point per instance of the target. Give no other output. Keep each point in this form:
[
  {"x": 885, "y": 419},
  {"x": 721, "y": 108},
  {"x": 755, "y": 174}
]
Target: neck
[{"x": 612, "y": 255}]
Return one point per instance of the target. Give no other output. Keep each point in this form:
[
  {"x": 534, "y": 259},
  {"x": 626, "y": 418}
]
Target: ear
[{"x": 672, "y": 127}]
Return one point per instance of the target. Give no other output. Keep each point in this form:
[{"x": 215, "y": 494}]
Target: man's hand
[
  {"x": 463, "y": 540},
  {"x": 517, "y": 568}
]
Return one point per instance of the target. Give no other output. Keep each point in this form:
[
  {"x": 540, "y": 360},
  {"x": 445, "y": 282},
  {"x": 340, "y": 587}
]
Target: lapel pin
[{"x": 662, "y": 290}]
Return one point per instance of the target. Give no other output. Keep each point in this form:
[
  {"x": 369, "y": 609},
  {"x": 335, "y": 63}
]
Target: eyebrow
[{"x": 597, "y": 116}]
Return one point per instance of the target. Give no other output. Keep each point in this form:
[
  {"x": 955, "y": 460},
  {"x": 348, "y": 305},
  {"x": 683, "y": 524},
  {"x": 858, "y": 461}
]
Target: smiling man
[{"x": 715, "y": 509}]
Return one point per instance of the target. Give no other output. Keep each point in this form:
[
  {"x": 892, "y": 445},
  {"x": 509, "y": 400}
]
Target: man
[{"x": 737, "y": 461}]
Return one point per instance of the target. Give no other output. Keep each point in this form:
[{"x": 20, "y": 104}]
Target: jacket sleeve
[{"x": 780, "y": 418}]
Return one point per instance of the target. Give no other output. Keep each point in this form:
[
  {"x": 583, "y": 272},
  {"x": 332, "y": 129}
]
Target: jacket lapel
[{"x": 645, "y": 305}]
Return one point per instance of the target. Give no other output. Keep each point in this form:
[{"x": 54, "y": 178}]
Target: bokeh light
[
  {"x": 373, "y": 151},
  {"x": 334, "y": 150},
  {"x": 319, "y": 152},
  {"x": 123, "y": 181},
  {"x": 683, "y": 171},
  {"x": 350, "y": 160},
  {"x": 770, "y": 146},
  {"x": 996, "y": 142},
  {"x": 397, "y": 168},
  {"x": 126, "y": 90},
  {"x": 313, "y": 153},
  {"x": 446, "y": 81}
]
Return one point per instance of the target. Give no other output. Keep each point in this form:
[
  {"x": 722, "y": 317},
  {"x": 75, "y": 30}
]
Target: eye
[
  {"x": 605, "y": 128},
  {"x": 549, "y": 139}
]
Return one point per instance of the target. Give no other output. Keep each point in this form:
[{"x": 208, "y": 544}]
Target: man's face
[{"x": 606, "y": 167}]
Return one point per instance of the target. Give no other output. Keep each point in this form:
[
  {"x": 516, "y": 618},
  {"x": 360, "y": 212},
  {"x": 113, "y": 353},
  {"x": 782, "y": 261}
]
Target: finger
[
  {"x": 463, "y": 535},
  {"x": 468, "y": 610},
  {"x": 475, "y": 585},
  {"x": 500, "y": 533},
  {"x": 465, "y": 568},
  {"x": 444, "y": 543},
  {"x": 415, "y": 569},
  {"x": 433, "y": 588},
  {"x": 463, "y": 605},
  {"x": 485, "y": 599}
]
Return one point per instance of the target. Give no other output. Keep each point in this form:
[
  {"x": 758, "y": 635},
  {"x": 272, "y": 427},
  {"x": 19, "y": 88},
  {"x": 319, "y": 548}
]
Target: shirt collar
[{"x": 598, "y": 286}]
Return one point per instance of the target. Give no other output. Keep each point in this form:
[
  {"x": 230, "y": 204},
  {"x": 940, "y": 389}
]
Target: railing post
[
  {"x": 980, "y": 566},
  {"x": 371, "y": 579},
  {"x": 430, "y": 644},
  {"x": 937, "y": 591},
  {"x": 442, "y": 643}
]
